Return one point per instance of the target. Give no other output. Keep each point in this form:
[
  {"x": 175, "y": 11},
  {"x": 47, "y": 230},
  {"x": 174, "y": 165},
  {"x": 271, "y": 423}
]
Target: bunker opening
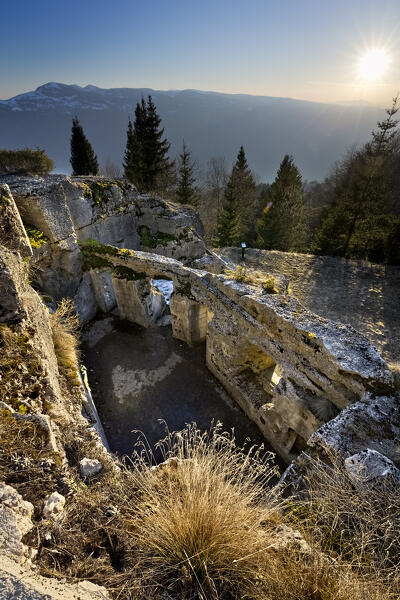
[{"x": 147, "y": 364}]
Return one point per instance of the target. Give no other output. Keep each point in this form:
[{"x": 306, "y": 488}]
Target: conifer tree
[
  {"x": 133, "y": 157},
  {"x": 186, "y": 191},
  {"x": 282, "y": 224},
  {"x": 83, "y": 159},
  {"x": 154, "y": 147},
  {"x": 244, "y": 188},
  {"x": 361, "y": 222},
  {"x": 229, "y": 223}
]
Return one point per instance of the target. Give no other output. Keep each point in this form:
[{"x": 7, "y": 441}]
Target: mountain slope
[{"x": 212, "y": 124}]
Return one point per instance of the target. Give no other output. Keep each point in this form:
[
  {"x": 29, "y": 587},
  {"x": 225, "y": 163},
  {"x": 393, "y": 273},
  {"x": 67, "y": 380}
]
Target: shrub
[
  {"x": 270, "y": 286},
  {"x": 204, "y": 517},
  {"x": 24, "y": 162},
  {"x": 239, "y": 274}
]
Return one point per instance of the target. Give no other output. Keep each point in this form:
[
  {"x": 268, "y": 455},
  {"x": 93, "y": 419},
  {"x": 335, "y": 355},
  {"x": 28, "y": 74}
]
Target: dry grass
[
  {"x": 26, "y": 463},
  {"x": 205, "y": 526},
  {"x": 21, "y": 371},
  {"x": 204, "y": 518},
  {"x": 253, "y": 277},
  {"x": 355, "y": 524},
  {"x": 65, "y": 327}
]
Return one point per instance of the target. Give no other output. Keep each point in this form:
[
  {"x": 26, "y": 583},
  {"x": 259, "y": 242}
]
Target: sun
[{"x": 373, "y": 64}]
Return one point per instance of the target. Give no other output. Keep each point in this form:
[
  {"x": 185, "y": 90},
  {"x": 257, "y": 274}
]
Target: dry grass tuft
[
  {"x": 354, "y": 523},
  {"x": 204, "y": 518},
  {"x": 253, "y": 277},
  {"x": 26, "y": 463},
  {"x": 65, "y": 327}
]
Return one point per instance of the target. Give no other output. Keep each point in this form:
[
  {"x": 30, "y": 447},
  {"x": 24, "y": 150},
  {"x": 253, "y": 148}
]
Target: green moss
[
  {"x": 152, "y": 240},
  {"x": 94, "y": 247},
  {"x": 125, "y": 273},
  {"x": 90, "y": 258},
  {"x": 90, "y": 261},
  {"x": 4, "y": 200},
  {"x": 36, "y": 237},
  {"x": 185, "y": 289},
  {"x": 101, "y": 190},
  {"x": 270, "y": 286}
]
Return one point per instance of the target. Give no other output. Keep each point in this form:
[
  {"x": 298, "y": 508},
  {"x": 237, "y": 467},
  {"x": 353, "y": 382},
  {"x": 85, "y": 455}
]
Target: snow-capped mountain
[{"x": 211, "y": 123}]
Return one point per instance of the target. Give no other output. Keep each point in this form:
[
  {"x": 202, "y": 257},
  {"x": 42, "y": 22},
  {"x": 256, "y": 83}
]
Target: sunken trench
[{"x": 144, "y": 380}]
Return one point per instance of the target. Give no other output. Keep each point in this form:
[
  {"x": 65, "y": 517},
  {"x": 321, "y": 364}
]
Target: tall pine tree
[
  {"x": 282, "y": 226},
  {"x": 244, "y": 189},
  {"x": 186, "y": 191},
  {"x": 146, "y": 162},
  {"x": 229, "y": 222},
  {"x": 155, "y": 149},
  {"x": 133, "y": 157},
  {"x": 83, "y": 159}
]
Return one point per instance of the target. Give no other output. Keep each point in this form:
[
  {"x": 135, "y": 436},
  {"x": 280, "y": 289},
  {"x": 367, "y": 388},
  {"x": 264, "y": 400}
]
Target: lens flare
[{"x": 373, "y": 64}]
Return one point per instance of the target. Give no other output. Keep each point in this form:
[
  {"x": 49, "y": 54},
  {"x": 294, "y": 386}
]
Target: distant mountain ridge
[{"x": 211, "y": 123}]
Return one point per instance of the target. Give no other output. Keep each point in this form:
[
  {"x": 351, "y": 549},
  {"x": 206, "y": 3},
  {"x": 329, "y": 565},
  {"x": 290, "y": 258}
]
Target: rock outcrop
[{"x": 70, "y": 210}]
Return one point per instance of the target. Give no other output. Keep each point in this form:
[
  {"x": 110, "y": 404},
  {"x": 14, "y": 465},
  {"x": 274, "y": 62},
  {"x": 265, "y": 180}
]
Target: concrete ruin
[
  {"x": 311, "y": 385},
  {"x": 288, "y": 369}
]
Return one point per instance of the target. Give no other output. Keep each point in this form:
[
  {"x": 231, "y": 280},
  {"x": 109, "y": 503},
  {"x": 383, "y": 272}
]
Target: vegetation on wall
[
  {"x": 36, "y": 237},
  {"x": 65, "y": 326},
  {"x": 20, "y": 369},
  {"x": 152, "y": 240}
]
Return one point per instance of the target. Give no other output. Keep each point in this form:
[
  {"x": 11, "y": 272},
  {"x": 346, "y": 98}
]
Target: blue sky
[{"x": 299, "y": 48}]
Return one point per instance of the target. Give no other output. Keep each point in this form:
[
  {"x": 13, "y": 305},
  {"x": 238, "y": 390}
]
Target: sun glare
[{"x": 373, "y": 64}]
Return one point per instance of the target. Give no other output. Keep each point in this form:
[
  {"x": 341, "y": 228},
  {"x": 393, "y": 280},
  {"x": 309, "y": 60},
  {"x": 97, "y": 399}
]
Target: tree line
[{"x": 354, "y": 213}]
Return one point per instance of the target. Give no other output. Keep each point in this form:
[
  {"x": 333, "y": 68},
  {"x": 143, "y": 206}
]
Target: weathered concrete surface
[
  {"x": 15, "y": 522},
  {"x": 289, "y": 369},
  {"x": 139, "y": 376},
  {"x": 138, "y": 301},
  {"x": 364, "y": 295},
  {"x": 189, "y": 319},
  {"x": 373, "y": 422},
  {"x": 20, "y": 582},
  {"x": 12, "y": 232}
]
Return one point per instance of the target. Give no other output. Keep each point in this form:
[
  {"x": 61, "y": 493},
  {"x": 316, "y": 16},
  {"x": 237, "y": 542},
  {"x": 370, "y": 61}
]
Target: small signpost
[{"x": 243, "y": 248}]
